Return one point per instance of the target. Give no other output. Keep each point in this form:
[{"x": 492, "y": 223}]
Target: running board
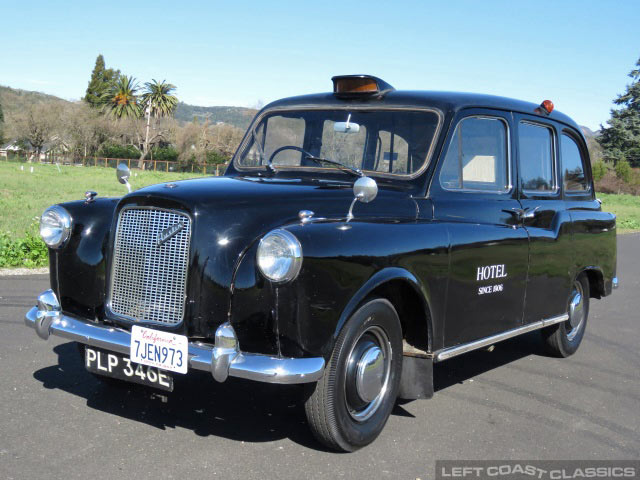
[{"x": 451, "y": 352}]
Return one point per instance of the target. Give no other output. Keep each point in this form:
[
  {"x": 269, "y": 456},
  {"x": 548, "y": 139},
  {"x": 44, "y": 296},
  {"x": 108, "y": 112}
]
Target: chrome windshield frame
[{"x": 289, "y": 168}]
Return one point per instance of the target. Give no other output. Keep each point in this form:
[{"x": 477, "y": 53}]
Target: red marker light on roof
[{"x": 545, "y": 107}]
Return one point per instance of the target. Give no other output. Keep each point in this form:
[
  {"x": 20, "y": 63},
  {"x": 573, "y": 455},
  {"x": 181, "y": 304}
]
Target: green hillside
[
  {"x": 14, "y": 100},
  {"x": 236, "y": 116}
]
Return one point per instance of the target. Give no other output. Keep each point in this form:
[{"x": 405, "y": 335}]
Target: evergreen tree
[
  {"x": 621, "y": 139},
  {"x": 101, "y": 79}
]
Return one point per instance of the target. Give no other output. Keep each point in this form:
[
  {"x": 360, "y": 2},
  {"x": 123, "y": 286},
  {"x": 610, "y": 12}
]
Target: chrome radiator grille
[{"x": 149, "y": 268}]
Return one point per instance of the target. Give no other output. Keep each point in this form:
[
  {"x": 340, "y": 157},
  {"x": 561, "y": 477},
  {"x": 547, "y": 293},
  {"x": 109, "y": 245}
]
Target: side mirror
[
  {"x": 123, "y": 174},
  {"x": 365, "y": 189}
]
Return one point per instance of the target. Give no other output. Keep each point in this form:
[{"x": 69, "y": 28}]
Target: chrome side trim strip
[
  {"x": 451, "y": 352},
  {"x": 209, "y": 358}
]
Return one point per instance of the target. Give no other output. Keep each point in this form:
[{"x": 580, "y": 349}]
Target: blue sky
[{"x": 238, "y": 53}]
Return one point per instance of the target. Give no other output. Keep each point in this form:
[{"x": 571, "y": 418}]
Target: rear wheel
[
  {"x": 563, "y": 339},
  {"x": 348, "y": 408}
]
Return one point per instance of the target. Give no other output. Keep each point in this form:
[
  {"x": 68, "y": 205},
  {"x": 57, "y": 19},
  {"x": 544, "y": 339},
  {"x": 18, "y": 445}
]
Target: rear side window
[
  {"x": 477, "y": 158},
  {"x": 535, "y": 144},
  {"x": 573, "y": 169}
]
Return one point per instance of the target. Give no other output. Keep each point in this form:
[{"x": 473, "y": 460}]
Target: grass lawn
[
  {"x": 25, "y": 195},
  {"x": 626, "y": 208}
]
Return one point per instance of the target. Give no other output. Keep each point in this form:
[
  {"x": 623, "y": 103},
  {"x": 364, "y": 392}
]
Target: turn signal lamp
[{"x": 350, "y": 86}]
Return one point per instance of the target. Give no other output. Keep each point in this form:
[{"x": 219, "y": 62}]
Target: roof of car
[{"x": 447, "y": 102}]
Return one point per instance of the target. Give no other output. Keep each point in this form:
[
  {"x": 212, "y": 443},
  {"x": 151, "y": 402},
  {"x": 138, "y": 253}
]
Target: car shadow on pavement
[
  {"x": 462, "y": 368},
  {"x": 239, "y": 409},
  {"x": 465, "y": 367}
]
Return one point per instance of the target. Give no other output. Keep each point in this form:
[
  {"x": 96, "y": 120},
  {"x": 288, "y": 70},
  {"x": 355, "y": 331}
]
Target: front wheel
[
  {"x": 348, "y": 408},
  {"x": 563, "y": 339}
]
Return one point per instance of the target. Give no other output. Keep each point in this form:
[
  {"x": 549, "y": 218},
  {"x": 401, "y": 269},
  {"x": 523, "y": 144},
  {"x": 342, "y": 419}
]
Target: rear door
[
  {"x": 545, "y": 218},
  {"x": 473, "y": 193}
]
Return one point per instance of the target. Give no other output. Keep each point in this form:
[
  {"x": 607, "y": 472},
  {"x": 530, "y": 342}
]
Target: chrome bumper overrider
[{"x": 222, "y": 359}]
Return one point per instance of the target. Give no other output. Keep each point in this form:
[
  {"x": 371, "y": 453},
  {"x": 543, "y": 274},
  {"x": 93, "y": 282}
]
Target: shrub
[
  {"x": 623, "y": 170},
  {"x": 213, "y": 157},
  {"x": 599, "y": 169},
  {"x": 28, "y": 251},
  {"x": 188, "y": 164},
  {"x": 610, "y": 183},
  {"x": 164, "y": 153},
  {"x": 111, "y": 150}
]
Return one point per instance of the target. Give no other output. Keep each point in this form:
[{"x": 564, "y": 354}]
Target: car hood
[{"x": 230, "y": 214}]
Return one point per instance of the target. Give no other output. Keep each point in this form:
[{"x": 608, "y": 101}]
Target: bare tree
[
  {"x": 35, "y": 125},
  {"x": 225, "y": 138},
  {"x": 82, "y": 129}
]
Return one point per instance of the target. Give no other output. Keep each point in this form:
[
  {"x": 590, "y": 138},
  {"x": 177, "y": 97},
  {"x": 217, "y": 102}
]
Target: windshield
[{"x": 379, "y": 141}]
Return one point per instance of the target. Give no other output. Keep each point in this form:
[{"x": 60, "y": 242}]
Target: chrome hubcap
[
  {"x": 367, "y": 375},
  {"x": 576, "y": 311},
  {"x": 370, "y": 374}
]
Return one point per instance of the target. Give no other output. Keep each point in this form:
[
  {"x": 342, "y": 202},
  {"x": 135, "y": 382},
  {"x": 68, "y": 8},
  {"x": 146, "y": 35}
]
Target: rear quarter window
[
  {"x": 574, "y": 174},
  {"x": 536, "y": 155}
]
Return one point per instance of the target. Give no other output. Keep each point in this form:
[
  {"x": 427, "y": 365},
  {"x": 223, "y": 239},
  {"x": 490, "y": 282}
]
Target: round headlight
[
  {"x": 279, "y": 256},
  {"x": 55, "y": 226}
]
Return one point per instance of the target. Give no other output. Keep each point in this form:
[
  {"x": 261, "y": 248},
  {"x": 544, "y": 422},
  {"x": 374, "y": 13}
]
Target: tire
[
  {"x": 343, "y": 409},
  {"x": 563, "y": 339}
]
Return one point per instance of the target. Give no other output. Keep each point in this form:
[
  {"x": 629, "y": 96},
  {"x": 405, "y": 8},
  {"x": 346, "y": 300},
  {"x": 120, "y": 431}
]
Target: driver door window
[{"x": 477, "y": 159}]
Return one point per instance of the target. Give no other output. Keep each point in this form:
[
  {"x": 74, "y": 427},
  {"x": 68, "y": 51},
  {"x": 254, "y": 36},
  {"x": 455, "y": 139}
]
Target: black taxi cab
[{"x": 357, "y": 238}]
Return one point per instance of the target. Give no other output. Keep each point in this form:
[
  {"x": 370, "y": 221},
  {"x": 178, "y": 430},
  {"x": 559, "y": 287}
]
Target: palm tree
[
  {"x": 159, "y": 101},
  {"x": 121, "y": 99},
  {"x": 159, "y": 97}
]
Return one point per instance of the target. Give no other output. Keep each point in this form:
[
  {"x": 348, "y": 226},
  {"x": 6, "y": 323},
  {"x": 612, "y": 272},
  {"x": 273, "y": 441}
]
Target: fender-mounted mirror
[
  {"x": 123, "y": 174},
  {"x": 365, "y": 190}
]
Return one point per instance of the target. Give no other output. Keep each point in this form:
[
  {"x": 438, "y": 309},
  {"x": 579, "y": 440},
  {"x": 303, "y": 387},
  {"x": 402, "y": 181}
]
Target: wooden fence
[{"x": 149, "y": 165}]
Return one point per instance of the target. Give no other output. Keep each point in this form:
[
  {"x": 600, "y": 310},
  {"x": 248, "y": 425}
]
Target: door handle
[
  {"x": 530, "y": 213},
  {"x": 523, "y": 213}
]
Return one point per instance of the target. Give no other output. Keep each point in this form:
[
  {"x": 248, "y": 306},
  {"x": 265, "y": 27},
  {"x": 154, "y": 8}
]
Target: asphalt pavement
[{"x": 57, "y": 421}]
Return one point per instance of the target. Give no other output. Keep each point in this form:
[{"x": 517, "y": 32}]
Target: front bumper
[{"x": 222, "y": 359}]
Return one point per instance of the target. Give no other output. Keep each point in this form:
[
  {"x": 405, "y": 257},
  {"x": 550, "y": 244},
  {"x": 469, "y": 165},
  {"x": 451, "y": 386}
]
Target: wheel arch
[
  {"x": 408, "y": 296},
  {"x": 595, "y": 277}
]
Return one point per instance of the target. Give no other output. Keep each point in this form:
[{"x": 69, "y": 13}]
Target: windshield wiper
[
  {"x": 354, "y": 171},
  {"x": 256, "y": 142}
]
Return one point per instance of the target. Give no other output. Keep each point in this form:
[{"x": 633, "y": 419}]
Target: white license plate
[{"x": 164, "y": 350}]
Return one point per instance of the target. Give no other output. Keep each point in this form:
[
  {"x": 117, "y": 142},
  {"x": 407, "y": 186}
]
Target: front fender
[
  {"x": 386, "y": 275},
  {"x": 78, "y": 269},
  {"x": 343, "y": 263}
]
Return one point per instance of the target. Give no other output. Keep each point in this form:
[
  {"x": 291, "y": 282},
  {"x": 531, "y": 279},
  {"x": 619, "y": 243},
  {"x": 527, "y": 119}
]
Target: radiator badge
[{"x": 169, "y": 232}]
